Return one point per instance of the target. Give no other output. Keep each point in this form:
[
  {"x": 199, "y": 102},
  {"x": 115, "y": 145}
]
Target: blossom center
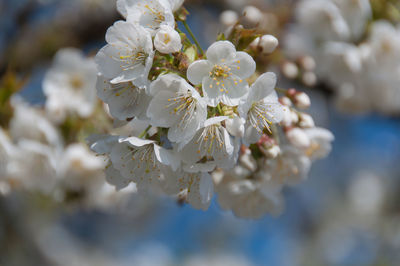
[
  {"x": 258, "y": 116},
  {"x": 210, "y": 140},
  {"x": 184, "y": 105}
]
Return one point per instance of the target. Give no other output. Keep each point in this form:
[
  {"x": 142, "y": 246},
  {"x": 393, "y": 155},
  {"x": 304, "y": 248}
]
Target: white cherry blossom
[
  {"x": 124, "y": 99},
  {"x": 210, "y": 147},
  {"x": 290, "y": 167},
  {"x": 261, "y": 107},
  {"x": 248, "y": 195},
  {"x": 142, "y": 161},
  {"x": 178, "y": 106},
  {"x": 68, "y": 85},
  {"x": 196, "y": 188},
  {"x": 223, "y": 74},
  {"x": 150, "y": 14},
  {"x": 167, "y": 40},
  {"x": 128, "y": 56}
]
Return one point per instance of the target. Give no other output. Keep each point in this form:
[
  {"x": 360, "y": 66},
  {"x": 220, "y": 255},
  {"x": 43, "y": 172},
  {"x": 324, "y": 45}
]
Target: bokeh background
[{"x": 346, "y": 213}]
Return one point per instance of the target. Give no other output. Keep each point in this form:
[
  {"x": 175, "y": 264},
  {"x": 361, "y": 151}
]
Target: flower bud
[
  {"x": 309, "y": 79},
  {"x": 301, "y": 100},
  {"x": 285, "y": 101},
  {"x": 298, "y": 138},
  {"x": 228, "y": 17},
  {"x": 290, "y": 70},
  {"x": 266, "y": 44},
  {"x": 167, "y": 40},
  {"x": 289, "y": 117},
  {"x": 306, "y": 121},
  {"x": 272, "y": 151},
  {"x": 307, "y": 63},
  {"x": 252, "y": 15}
]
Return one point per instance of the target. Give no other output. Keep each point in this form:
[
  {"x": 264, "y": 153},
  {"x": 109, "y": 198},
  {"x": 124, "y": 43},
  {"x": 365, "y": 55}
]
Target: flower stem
[
  {"x": 193, "y": 37},
  {"x": 144, "y": 132}
]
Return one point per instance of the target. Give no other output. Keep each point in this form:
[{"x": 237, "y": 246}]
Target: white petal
[
  {"x": 198, "y": 70},
  {"x": 263, "y": 87},
  {"x": 243, "y": 65},
  {"x": 221, "y": 51}
]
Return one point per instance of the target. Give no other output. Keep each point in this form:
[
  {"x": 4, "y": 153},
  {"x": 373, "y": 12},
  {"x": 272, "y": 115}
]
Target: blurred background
[{"x": 346, "y": 213}]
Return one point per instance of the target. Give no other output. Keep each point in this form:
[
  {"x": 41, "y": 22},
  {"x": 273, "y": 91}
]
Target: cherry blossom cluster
[
  {"x": 40, "y": 150},
  {"x": 211, "y": 121},
  {"x": 354, "y": 53}
]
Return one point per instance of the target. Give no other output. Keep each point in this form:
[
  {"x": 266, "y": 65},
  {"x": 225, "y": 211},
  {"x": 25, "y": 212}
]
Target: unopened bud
[
  {"x": 266, "y": 44},
  {"x": 298, "y": 138},
  {"x": 285, "y": 101},
  {"x": 309, "y": 79},
  {"x": 306, "y": 121},
  {"x": 272, "y": 151},
  {"x": 252, "y": 15},
  {"x": 301, "y": 100},
  {"x": 290, "y": 70},
  {"x": 228, "y": 18},
  {"x": 307, "y": 63}
]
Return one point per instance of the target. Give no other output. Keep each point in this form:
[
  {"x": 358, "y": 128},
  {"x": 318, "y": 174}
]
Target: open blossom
[
  {"x": 80, "y": 169},
  {"x": 196, "y": 188},
  {"x": 249, "y": 195},
  {"x": 261, "y": 107},
  {"x": 177, "y": 106},
  {"x": 223, "y": 74},
  {"x": 290, "y": 167},
  {"x": 128, "y": 56},
  {"x": 323, "y": 20},
  {"x": 210, "y": 147},
  {"x": 124, "y": 99},
  {"x": 141, "y": 161},
  {"x": 68, "y": 85},
  {"x": 32, "y": 124},
  {"x": 167, "y": 40},
  {"x": 148, "y": 14}
]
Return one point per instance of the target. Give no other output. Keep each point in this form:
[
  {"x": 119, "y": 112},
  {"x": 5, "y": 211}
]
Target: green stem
[
  {"x": 219, "y": 109},
  {"x": 193, "y": 37},
  {"x": 144, "y": 132}
]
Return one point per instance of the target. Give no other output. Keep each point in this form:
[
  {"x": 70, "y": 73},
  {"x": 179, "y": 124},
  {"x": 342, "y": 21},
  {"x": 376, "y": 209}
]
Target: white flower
[
  {"x": 178, "y": 106},
  {"x": 102, "y": 145},
  {"x": 298, "y": 138},
  {"x": 223, "y": 74},
  {"x": 323, "y": 20},
  {"x": 148, "y": 14},
  {"x": 30, "y": 123},
  {"x": 7, "y": 149},
  {"x": 291, "y": 166},
  {"x": 210, "y": 147},
  {"x": 80, "y": 169},
  {"x": 128, "y": 56},
  {"x": 142, "y": 161},
  {"x": 248, "y": 196},
  {"x": 261, "y": 107},
  {"x": 356, "y": 13},
  {"x": 33, "y": 166},
  {"x": 266, "y": 44},
  {"x": 320, "y": 142},
  {"x": 124, "y": 100},
  {"x": 167, "y": 40},
  {"x": 69, "y": 85},
  {"x": 196, "y": 188}
]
